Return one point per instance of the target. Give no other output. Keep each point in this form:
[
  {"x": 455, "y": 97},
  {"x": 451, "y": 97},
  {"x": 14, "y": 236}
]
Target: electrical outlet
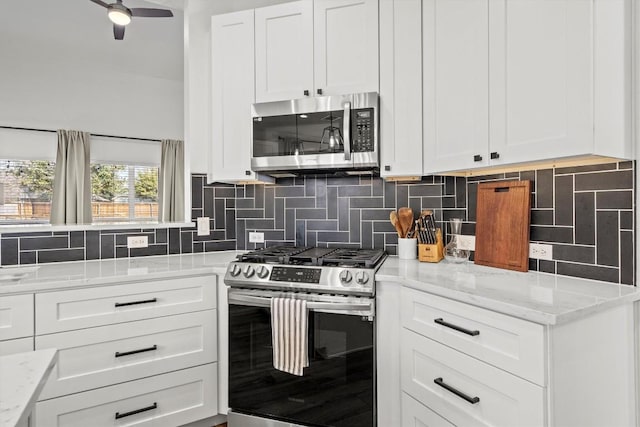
[
  {"x": 540, "y": 251},
  {"x": 467, "y": 242},
  {"x": 255, "y": 237},
  {"x": 203, "y": 226},
  {"x": 137, "y": 241}
]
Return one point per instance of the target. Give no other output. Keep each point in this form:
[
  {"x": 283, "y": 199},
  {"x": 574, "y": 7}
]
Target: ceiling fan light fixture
[{"x": 119, "y": 15}]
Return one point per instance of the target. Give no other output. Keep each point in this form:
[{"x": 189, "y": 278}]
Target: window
[
  {"x": 124, "y": 192},
  {"x": 124, "y": 178},
  {"x": 26, "y": 187}
]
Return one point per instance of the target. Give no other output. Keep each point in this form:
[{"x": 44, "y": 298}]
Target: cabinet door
[
  {"x": 232, "y": 73},
  {"x": 345, "y": 46},
  {"x": 400, "y": 88},
  {"x": 415, "y": 414},
  {"x": 541, "y": 82},
  {"x": 455, "y": 61},
  {"x": 284, "y": 51}
]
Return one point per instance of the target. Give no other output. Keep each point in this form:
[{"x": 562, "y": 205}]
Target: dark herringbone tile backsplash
[{"x": 586, "y": 213}]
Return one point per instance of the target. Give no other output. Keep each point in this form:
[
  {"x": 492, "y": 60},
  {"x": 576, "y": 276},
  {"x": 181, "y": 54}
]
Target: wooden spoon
[
  {"x": 405, "y": 218},
  {"x": 393, "y": 217}
]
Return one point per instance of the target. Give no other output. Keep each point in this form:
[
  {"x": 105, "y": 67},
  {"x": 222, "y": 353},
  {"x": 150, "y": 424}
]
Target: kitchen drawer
[
  {"x": 19, "y": 345},
  {"x": 85, "y": 308},
  {"x": 92, "y": 358},
  {"x": 504, "y": 399},
  {"x": 16, "y": 316},
  {"x": 511, "y": 344},
  {"x": 414, "y": 414},
  {"x": 178, "y": 397}
]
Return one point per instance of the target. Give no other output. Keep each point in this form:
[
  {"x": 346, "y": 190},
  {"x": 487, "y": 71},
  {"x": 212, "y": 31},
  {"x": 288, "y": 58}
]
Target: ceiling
[{"x": 81, "y": 31}]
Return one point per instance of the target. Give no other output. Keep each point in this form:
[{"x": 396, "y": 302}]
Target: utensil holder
[
  {"x": 432, "y": 253},
  {"x": 407, "y": 248}
]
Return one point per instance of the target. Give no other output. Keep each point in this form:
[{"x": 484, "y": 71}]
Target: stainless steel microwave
[{"x": 316, "y": 134}]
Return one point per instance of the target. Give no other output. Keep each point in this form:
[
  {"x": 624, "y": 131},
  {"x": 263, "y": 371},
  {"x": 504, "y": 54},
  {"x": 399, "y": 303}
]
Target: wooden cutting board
[{"x": 502, "y": 225}]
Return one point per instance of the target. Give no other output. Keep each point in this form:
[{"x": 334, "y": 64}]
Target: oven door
[{"x": 338, "y": 386}]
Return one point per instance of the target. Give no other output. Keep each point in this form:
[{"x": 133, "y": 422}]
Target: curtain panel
[
  {"x": 171, "y": 182},
  {"x": 71, "y": 201}
]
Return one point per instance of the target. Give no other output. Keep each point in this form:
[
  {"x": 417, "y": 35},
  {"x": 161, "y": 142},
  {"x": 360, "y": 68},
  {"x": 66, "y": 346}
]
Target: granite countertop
[
  {"x": 22, "y": 377},
  {"x": 538, "y": 297},
  {"x": 78, "y": 274}
]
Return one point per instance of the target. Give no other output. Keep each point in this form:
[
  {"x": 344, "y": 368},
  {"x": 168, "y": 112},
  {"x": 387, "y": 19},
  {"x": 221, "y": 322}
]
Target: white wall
[
  {"x": 70, "y": 73},
  {"x": 197, "y": 24}
]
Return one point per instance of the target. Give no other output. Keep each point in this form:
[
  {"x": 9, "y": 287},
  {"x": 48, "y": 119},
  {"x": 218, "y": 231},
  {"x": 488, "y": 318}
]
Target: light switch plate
[
  {"x": 137, "y": 242},
  {"x": 203, "y": 226},
  {"x": 255, "y": 237}
]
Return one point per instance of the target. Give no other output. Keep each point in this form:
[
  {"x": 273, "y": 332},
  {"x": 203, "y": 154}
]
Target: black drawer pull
[
  {"x": 441, "y": 383},
  {"x": 142, "y": 350},
  {"x": 145, "y": 301},
  {"x": 456, "y": 327},
  {"x": 137, "y": 411},
  {"x": 477, "y": 158},
  {"x": 495, "y": 155}
]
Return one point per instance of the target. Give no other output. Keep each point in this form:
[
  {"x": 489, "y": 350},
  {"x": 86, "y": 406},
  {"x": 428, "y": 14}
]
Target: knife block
[{"x": 432, "y": 253}]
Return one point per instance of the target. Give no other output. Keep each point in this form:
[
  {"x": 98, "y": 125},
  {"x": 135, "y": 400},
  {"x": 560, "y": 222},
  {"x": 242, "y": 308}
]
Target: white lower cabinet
[
  {"x": 171, "y": 399},
  {"x": 16, "y": 316},
  {"x": 415, "y": 414},
  {"x": 97, "y": 357},
  {"x": 465, "y": 390},
  {"x": 19, "y": 345}
]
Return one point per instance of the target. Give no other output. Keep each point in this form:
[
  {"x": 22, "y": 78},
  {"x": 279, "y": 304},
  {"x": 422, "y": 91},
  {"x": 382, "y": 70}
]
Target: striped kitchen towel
[{"x": 289, "y": 335}]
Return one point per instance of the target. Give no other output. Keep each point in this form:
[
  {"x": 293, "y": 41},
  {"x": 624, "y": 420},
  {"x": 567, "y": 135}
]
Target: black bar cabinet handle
[
  {"x": 319, "y": 91},
  {"x": 441, "y": 383},
  {"x": 495, "y": 155},
  {"x": 144, "y": 301},
  {"x": 440, "y": 321},
  {"x": 306, "y": 92},
  {"x": 137, "y": 411},
  {"x": 477, "y": 158},
  {"x": 142, "y": 350}
]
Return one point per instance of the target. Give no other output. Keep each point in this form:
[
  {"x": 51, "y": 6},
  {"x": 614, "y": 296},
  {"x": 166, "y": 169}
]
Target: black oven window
[
  {"x": 298, "y": 134},
  {"x": 338, "y": 387}
]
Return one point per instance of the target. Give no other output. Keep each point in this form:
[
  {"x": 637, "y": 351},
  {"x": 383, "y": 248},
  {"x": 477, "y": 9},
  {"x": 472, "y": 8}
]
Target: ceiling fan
[{"x": 121, "y": 15}]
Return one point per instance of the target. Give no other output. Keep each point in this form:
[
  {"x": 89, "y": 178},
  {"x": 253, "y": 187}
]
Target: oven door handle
[{"x": 328, "y": 306}]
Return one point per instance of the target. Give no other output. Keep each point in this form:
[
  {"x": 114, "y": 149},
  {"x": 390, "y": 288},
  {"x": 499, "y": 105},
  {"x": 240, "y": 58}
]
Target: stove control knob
[
  {"x": 362, "y": 277},
  {"x": 345, "y": 276},
  {"x": 248, "y": 271},
  {"x": 235, "y": 270},
  {"x": 262, "y": 272}
]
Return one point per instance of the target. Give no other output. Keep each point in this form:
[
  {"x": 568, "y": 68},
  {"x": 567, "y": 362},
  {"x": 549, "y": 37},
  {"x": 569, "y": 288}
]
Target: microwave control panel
[{"x": 362, "y": 130}]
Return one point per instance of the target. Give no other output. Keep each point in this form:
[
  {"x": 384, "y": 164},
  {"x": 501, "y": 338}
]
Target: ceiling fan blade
[
  {"x": 118, "y": 32},
  {"x": 100, "y": 2},
  {"x": 150, "y": 13}
]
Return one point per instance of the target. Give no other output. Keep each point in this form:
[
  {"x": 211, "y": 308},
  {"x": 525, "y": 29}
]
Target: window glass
[
  {"x": 124, "y": 193},
  {"x": 26, "y": 187}
]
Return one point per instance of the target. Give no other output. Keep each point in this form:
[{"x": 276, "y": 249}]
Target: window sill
[{"x": 39, "y": 228}]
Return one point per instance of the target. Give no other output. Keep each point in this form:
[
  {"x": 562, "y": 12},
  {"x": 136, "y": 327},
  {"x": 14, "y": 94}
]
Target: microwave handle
[{"x": 346, "y": 131}]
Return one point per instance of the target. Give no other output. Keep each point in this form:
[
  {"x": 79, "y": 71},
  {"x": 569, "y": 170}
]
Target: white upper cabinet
[
  {"x": 541, "y": 79},
  {"x": 456, "y": 93},
  {"x": 514, "y": 81},
  {"x": 400, "y": 88},
  {"x": 284, "y": 51},
  {"x": 232, "y": 72},
  {"x": 321, "y": 47},
  {"x": 345, "y": 46}
]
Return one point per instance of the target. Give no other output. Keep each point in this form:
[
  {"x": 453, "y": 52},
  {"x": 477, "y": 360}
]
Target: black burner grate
[{"x": 292, "y": 255}]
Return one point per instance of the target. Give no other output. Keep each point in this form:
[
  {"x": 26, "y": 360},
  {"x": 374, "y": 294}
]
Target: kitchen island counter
[{"x": 22, "y": 377}]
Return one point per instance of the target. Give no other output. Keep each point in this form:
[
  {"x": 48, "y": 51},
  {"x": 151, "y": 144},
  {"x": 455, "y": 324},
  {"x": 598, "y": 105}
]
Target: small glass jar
[{"x": 452, "y": 252}]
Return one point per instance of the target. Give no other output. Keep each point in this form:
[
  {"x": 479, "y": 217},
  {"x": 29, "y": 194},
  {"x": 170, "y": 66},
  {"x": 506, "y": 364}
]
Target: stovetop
[
  {"x": 321, "y": 270},
  {"x": 305, "y": 255}
]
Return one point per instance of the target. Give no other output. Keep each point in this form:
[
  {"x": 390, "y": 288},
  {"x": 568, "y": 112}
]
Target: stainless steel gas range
[{"x": 338, "y": 386}]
